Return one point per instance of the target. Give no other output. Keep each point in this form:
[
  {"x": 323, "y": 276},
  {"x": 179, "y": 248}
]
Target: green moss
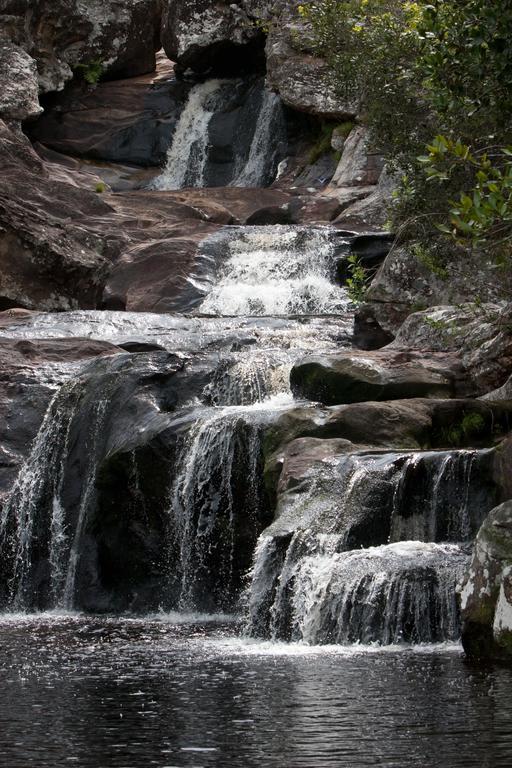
[
  {"x": 100, "y": 187},
  {"x": 322, "y": 145},
  {"x": 344, "y": 129},
  {"x": 471, "y": 426},
  {"x": 91, "y": 73}
]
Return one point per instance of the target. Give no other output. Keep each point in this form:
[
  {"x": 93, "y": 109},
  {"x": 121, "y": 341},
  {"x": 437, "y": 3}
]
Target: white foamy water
[
  {"x": 270, "y": 120},
  {"x": 275, "y": 270},
  {"x": 188, "y": 154}
]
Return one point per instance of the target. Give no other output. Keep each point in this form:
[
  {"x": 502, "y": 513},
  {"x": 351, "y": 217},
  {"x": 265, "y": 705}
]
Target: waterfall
[
  {"x": 368, "y": 549},
  {"x": 275, "y": 270},
  {"x": 188, "y": 154},
  {"x": 244, "y": 153},
  {"x": 218, "y": 506},
  {"x": 39, "y": 541},
  {"x": 261, "y": 161},
  {"x": 403, "y": 592}
]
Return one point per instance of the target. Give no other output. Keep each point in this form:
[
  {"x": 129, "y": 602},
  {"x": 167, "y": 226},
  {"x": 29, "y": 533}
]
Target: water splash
[
  {"x": 275, "y": 270},
  {"x": 404, "y": 592}
]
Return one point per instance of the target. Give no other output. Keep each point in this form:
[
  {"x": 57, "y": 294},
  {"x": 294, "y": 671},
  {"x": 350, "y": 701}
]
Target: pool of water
[{"x": 170, "y": 691}]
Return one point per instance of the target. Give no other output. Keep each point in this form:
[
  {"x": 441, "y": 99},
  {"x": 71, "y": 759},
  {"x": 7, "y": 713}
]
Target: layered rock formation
[
  {"x": 114, "y": 37},
  {"x": 421, "y": 399}
]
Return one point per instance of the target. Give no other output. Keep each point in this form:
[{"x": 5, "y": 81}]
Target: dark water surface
[{"x": 120, "y": 693}]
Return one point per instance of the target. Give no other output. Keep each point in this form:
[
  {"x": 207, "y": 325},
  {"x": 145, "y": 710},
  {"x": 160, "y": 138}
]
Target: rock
[
  {"x": 358, "y": 166},
  {"x": 128, "y": 121},
  {"x": 30, "y": 374},
  {"x": 351, "y": 377},
  {"x": 19, "y": 98},
  {"x": 120, "y": 35},
  {"x": 486, "y": 593},
  {"x": 372, "y": 210},
  {"x": 48, "y": 259},
  {"x": 501, "y": 469},
  {"x": 404, "y": 284},
  {"x": 470, "y": 346},
  {"x": 219, "y": 38},
  {"x": 480, "y": 335},
  {"x": 302, "y": 80},
  {"x": 375, "y": 498},
  {"x": 399, "y": 424}
]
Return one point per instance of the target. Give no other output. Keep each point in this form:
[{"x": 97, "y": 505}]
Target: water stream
[{"x": 152, "y": 585}]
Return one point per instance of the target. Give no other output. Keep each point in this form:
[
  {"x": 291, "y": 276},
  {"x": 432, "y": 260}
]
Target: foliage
[
  {"x": 357, "y": 283},
  {"x": 470, "y": 427},
  {"x": 91, "y": 73},
  {"x": 484, "y": 212},
  {"x": 436, "y": 75}
]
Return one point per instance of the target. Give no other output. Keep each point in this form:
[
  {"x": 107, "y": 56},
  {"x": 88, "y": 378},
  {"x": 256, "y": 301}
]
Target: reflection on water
[{"x": 120, "y": 693}]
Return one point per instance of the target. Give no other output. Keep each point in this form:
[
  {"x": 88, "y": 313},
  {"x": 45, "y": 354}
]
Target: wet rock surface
[
  {"x": 158, "y": 448},
  {"x": 122, "y": 121},
  {"x": 31, "y": 373},
  {"x": 486, "y": 594}
]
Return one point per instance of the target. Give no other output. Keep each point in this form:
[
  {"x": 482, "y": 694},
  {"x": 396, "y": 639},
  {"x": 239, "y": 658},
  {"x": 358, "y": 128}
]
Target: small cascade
[
  {"x": 218, "y": 506},
  {"x": 230, "y": 133},
  {"x": 262, "y": 161},
  {"x": 39, "y": 540},
  {"x": 275, "y": 270},
  {"x": 403, "y": 592},
  {"x": 407, "y": 515},
  {"x": 188, "y": 154}
]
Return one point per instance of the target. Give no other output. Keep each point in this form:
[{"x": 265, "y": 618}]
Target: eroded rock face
[
  {"x": 404, "y": 283},
  {"x": 18, "y": 84},
  {"x": 359, "y": 166},
  {"x": 417, "y": 423},
  {"x": 48, "y": 259},
  {"x": 138, "y": 130},
  {"x": 219, "y": 37},
  {"x": 486, "y": 595},
  {"x": 352, "y": 377},
  {"x": 30, "y": 374},
  {"x": 302, "y": 79},
  {"x": 121, "y": 35}
]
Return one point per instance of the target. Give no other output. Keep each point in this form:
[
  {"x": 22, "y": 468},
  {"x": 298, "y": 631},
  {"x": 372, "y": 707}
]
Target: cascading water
[
  {"x": 259, "y": 138},
  {"x": 275, "y": 270},
  {"x": 40, "y": 545},
  {"x": 188, "y": 154},
  {"x": 366, "y": 548},
  {"x": 260, "y": 164},
  {"x": 410, "y": 513}
]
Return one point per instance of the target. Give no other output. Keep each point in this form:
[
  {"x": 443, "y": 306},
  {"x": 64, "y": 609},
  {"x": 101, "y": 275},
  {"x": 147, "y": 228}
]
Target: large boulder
[
  {"x": 116, "y": 37},
  {"x": 353, "y": 377},
  {"x": 18, "y": 84},
  {"x": 121, "y": 121},
  {"x": 486, "y": 594},
  {"x": 48, "y": 258},
  {"x": 219, "y": 37},
  {"x": 359, "y": 166},
  {"x": 303, "y": 80},
  {"x": 407, "y": 282},
  {"x": 404, "y": 424}
]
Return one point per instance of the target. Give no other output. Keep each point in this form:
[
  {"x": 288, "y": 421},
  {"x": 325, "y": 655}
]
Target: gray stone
[
  {"x": 486, "y": 593},
  {"x": 18, "y": 84}
]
